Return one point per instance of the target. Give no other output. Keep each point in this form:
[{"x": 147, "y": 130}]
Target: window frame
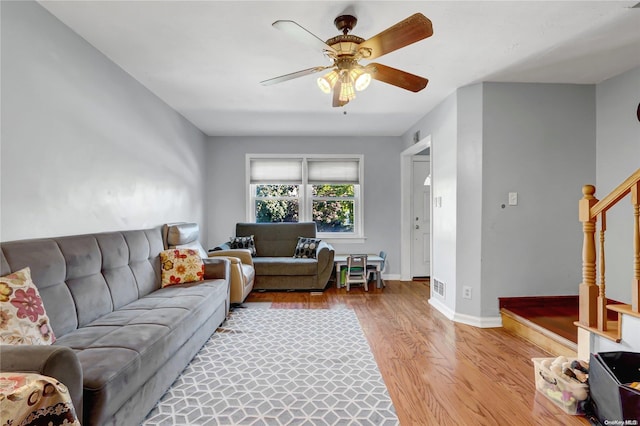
[{"x": 305, "y": 197}]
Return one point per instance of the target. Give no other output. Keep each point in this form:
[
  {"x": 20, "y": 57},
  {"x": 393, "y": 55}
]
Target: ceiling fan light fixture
[
  {"x": 346, "y": 50},
  {"x": 362, "y": 80},
  {"x": 346, "y": 91},
  {"x": 327, "y": 81}
]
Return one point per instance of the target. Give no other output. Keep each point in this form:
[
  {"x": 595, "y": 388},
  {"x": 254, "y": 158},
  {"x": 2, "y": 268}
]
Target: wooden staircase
[
  {"x": 561, "y": 325},
  {"x": 595, "y": 311},
  {"x": 545, "y": 321}
]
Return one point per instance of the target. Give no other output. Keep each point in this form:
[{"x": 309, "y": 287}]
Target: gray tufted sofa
[
  {"x": 121, "y": 339},
  {"x": 275, "y": 266}
]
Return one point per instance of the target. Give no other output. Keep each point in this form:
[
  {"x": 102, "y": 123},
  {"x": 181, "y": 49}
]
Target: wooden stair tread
[
  {"x": 538, "y": 334},
  {"x": 623, "y": 309},
  {"x": 610, "y": 333}
]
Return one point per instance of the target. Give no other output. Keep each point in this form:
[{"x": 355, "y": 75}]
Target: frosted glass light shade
[
  {"x": 346, "y": 92},
  {"x": 360, "y": 78},
  {"x": 327, "y": 81},
  {"x": 362, "y": 82}
]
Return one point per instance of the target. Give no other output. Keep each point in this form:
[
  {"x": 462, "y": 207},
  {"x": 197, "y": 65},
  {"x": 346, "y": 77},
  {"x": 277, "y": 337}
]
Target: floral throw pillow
[
  {"x": 181, "y": 266},
  {"x": 243, "y": 243},
  {"x": 23, "y": 320},
  {"x": 306, "y": 248}
]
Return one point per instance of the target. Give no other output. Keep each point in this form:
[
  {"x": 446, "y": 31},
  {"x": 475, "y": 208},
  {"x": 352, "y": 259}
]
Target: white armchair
[{"x": 186, "y": 235}]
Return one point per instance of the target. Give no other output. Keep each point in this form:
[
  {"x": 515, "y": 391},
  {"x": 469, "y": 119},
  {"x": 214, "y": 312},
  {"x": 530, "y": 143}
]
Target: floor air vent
[{"x": 438, "y": 287}]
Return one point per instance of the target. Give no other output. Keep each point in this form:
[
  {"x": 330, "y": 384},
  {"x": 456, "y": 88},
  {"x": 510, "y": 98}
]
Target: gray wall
[
  {"x": 618, "y": 147},
  {"x": 85, "y": 147},
  {"x": 488, "y": 140},
  {"x": 442, "y": 125},
  {"x": 226, "y": 185},
  {"x": 470, "y": 192},
  {"x": 539, "y": 141}
]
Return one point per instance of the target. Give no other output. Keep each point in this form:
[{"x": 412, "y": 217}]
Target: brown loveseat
[
  {"x": 276, "y": 268},
  {"x": 121, "y": 339}
]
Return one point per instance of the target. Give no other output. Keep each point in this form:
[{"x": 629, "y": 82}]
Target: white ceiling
[{"x": 206, "y": 58}]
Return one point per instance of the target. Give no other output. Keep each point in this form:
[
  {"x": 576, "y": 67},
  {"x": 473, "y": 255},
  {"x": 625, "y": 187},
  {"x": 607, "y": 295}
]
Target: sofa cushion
[
  {"x": 48, "y": 269},
  {"x": 276, "y": 239},
  {"x": 130, "y": 345},
  {"x": 285, "y": 266},
  {"x": 306, "y": 248},
  {"x": 184, "y": 236},
  {"x": 181, "y": 266},
  {"x": 246, "y": 242},
  {"x": 183, "y": 233},
  {"x": 23, "y": 320}
]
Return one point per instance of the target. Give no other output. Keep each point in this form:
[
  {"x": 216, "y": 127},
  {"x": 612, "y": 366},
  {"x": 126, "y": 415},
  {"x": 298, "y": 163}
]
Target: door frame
[
  {"x": 406, "y": 190},
  {"x": 417, "y": 158}
]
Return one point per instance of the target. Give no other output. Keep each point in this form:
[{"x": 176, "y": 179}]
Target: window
[{"x": 322, "y": 189}]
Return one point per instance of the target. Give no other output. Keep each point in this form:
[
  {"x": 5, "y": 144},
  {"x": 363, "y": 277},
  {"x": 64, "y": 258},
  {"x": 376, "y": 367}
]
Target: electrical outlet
[
  {"x": 466, "y": 292},
  {"x": 513, "y": 198}
]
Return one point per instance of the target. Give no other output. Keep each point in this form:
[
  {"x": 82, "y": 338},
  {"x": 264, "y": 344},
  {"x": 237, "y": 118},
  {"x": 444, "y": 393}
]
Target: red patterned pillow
[
  {"x": 181, "y": 266},
  {"x": 23, "y": 320}
]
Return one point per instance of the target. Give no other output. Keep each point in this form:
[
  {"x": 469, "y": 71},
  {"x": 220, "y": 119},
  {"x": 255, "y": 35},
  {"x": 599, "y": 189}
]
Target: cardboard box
[
  {"x": 610, "y": 374},
  {"x": 564, "y": 392}
]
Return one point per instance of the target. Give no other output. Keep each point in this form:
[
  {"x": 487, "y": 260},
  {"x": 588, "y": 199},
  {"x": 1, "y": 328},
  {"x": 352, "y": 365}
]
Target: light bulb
[
  {"x": 326, "y": 82},
  {"x": 362, "y": 82},
  {"x": 323, "y": 84}
]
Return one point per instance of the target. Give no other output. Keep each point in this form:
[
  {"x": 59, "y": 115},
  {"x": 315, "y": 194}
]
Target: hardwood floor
[{"x": 439, "y": 372}]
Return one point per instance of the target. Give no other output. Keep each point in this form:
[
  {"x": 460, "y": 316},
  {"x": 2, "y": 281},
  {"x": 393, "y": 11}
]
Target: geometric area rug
[{"x": 280, "y": 367}]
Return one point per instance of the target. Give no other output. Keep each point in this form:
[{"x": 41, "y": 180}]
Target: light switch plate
[{"x": 513, "y": 198}]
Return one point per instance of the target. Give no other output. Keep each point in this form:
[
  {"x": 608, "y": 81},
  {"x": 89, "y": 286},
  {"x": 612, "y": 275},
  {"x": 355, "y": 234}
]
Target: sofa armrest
[
  {"x": 219, "y": 268},
  {"x": 243, "y": 254},
  {"x": 325, "y": 254},
  {"x": 216, "y": 268},
  {"x": 59, "y": 362}
]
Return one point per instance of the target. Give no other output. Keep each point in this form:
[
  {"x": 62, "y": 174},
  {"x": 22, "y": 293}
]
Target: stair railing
[{"x": 593, "y": 300}]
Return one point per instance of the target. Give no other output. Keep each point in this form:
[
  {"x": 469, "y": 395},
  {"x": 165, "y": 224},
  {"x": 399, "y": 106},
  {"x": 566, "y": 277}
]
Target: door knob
[{"x": 417, "y": 226}]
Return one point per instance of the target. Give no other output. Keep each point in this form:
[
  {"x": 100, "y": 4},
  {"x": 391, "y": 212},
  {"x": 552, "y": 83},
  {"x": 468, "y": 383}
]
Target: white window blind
[
  {"x": 273, "y": 170},
  {"x": 345, "y": 171}
]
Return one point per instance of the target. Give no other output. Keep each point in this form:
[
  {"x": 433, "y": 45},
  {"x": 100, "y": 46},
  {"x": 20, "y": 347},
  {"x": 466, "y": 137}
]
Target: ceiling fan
[{"x": 346, "y": 50}]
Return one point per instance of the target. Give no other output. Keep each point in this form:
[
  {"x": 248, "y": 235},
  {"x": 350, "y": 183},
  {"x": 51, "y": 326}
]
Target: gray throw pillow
[
  {"x": 306, "y": 247},
  {"x": 243, "y": 243}
]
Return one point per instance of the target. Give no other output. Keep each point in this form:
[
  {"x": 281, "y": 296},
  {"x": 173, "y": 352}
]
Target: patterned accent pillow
[
  {"x": 243, "y": 243},
  {"x": 181, "y": 266},
  {"x": 23, "y": 320},
  {"x": 306, "y": 247}
]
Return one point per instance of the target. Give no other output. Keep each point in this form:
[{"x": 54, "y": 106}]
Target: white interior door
[{"x": 421, "y": 226}]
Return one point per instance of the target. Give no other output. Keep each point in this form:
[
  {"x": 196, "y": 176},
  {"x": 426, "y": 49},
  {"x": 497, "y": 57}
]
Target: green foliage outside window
[
  {"x": 279, "y": 209},
  {"x": 331, "y": 214},
  {"x": 333, "y": 205},
  {"x": 333, "y": 190}
]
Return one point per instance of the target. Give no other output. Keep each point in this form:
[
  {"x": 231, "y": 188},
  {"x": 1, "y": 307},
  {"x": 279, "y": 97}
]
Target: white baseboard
[
  {"x": 480, "y": 322},
  {"x": 391, "y": 277}
]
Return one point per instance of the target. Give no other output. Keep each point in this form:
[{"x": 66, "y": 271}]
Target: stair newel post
[
  {"x": 588, "y": 290},
  {"x": 602, "y": 299},
  {"x": 635, "y": 292}
]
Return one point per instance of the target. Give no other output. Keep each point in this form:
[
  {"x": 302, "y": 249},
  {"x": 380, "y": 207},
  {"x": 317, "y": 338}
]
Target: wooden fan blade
[
  {"x": 303, "y": 35},
  {"x": 396, "y": 77},
  {"x": 415, "y": 28},
  {"x": 293, "y": 75}
]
